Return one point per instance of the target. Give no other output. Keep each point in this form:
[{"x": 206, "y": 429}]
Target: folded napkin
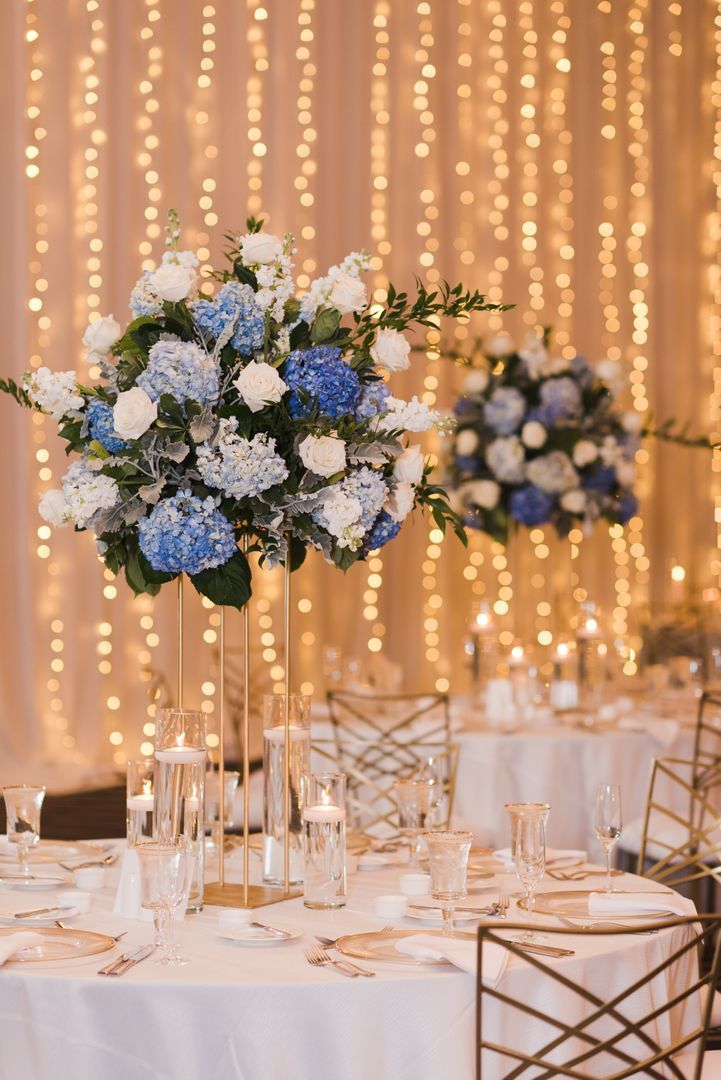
[
  {"x": 665, "y": 731},
  {"x": 555, "y": 856},
  {"x": 639, "y": 903},
  {"x": 461, "y": 953},
  {"x": 14, "y": 943}
]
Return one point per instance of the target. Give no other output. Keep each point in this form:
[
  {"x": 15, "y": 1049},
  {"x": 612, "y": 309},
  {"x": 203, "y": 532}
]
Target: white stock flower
[
  {"x": 320, "y": 289},
  {"x": 259, "y": 384},
  {"x": 390, "y": 350},
  {"x": 584, "y": 453},
  {"x": 260, "y": 248},
  {"x": 483, "y": 493},
  {"x": 534, "y": 355},
  {"x": 399, "y": 503},
  {"x": 413, "y": 415},
  {"x": 324, "y": 455},
  {"x": 533, "y": 434},
  {"x": 133, "y": 413},
  {"x": 476, "y": 381},
  {"x": 101, "y": 335},
  {"x": 53, "y": 508},
  {"x": 574, "y": 501},
  {"x": 408, "y": 467},
  {"x": 87, "y": 491},
  {"x": 347, "y": 295},
  {"x": 188, "y": 259},
  {"x": 56, "y": 392},
  {"x": 632, "y": 422},
  {"x": 552, "y": 472},
  {"x": 172, "y": 282},
  {"x": 506, "y": 459},
  {"x": 466, "y": 441}
]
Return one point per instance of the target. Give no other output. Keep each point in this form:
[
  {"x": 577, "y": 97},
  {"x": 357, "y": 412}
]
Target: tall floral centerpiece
[
  {"x": 250, "y": 414},
  {"x": 541, "y": 439}
]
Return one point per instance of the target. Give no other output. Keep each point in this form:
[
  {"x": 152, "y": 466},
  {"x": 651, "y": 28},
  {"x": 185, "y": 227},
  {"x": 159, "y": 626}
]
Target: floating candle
[
  {"x": 141, "y": 802},
  {"x": 324, "y": 812},
  {"x": 180, "y": 755}
]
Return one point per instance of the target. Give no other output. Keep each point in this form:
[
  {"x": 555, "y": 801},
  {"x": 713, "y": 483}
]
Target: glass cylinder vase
[
  {"x": 324, "y": 820},
  {"x": 139, "y": 801},
  {"x": 274, "y": 785},
  {"x": 180, "y": 755}
]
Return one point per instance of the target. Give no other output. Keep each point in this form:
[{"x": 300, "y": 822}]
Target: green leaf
[
  {"x": 134, "y": 575},
  {"x": 325, "y": 325},
  {"x": 227, "y": 585},
  {"x": 9, "y": 386},
  {"x": 298, "y": 552},
  {"x": 244, "y": 275},
  {"x": 154, "y": 577}
]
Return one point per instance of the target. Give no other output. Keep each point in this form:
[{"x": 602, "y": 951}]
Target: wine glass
[
  {"x": 23, "y": 804},
  {"x": 448, "y": 853},
  {"x": 530, "y": 859},
  {"x": 608, "y": 822},
  {"x": 414, "y": 798},
  {"x": 164, "y": 879}
]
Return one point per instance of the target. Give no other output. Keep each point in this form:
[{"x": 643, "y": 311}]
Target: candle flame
[
  {"x": 147, "y": 786},
  {"x": 591, "y": 625},
  {"x": 180, "y": 740},
  {"x": 562, "y": 648},
  {"x": 517, "y": 652},
  {"x": 326, "y": 798}
]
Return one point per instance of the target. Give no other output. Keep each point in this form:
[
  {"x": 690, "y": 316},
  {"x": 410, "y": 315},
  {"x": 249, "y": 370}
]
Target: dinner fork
[
  {"x": 603, "y": 926},
  {"x": 328, "y": 943},
  {"x": 504, "y": 901},
  {"x": 107, "y": 861},
  {"x": 319, "y": 958},
  {"x": 115, "y": 937}
]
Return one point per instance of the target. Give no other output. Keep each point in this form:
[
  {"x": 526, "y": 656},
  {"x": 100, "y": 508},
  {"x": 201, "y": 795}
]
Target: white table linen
[{"x": 238, "y": 1013}]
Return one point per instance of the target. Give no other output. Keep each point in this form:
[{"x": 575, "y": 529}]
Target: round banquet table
[{"x": 243, "y": 1013}]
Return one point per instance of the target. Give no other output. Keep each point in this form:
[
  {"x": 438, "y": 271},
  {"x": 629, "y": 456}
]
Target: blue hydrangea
[
  {"x": 530, "y": 505},
  {"x": 560, "y": 400},
  {"x": 143, "y": 299},
  {"x": 384, "y": 529},
  {"x": 185, "y": 535},
  {"x": 464, "y": 407},
  {"x": 504, "y": 410},
  {"x": 235, "y": 305},
  {"x": 468, "y": 462},
  {"x": 100, "y": 422},
  {"x": 373, "y": 397},
  {"x": 330, "y": 383},
  {"x": 626, "y": 507},
  {"x": 181, "y": 369},
  {"x": 602, "y": 479}
]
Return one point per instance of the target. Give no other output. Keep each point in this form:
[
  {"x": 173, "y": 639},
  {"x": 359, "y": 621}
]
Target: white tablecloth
[{"x": 240, "y": 1013}]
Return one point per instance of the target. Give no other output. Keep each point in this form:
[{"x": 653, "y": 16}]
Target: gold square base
[{"x": 258, "y": 895}]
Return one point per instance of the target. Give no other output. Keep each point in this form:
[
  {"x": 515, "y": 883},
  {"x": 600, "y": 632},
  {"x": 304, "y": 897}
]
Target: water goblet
[
  {"x": 448, "y": 852},
  {"x": 164, "y": 879},
  {"x": 608, "y": 822},
  {"x": 414, "y": 798},
  {"x": 530, "y": 860},
  {"x": 23, "y": 804}
]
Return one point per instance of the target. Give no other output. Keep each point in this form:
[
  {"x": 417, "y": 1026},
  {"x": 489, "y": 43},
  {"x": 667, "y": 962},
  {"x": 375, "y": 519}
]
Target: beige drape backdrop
[{"x": 561, "y": 154}]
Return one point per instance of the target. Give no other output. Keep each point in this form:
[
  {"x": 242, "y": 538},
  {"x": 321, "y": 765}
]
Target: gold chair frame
[
  {"x": 707, "y": 732},
  {"x": 702, "y": 929}
]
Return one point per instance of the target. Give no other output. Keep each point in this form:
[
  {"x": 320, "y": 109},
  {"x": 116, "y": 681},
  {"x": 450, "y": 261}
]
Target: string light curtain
[{"x": 563, "y": 156}]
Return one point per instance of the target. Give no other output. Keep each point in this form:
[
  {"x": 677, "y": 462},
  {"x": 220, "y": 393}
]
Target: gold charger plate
[
  {"x": 51, "y": 850},
  {"x": 381, "y": 945},
  {"x": 355, "y": 842},
  {"x": 60, "y": 945},
  {"x": 574, "y": 904}
]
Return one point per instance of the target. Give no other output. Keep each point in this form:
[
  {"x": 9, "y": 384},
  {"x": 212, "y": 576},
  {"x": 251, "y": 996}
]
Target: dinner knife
[
  {"x": 123, "y": 959},
  {"x": 542, "y": 950},
  {"x": 140, "y": 955},
  {"x": 38, "y": 911}
]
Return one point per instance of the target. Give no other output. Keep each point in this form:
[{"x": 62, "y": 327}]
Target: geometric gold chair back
[
  {"x": 638, "y": 1031},
  {"x": 392, "y": 717},
  {"x": 370, "y": 796},
  {"x": 707, "y": 740},
  {"x": 682, "y": 846}
]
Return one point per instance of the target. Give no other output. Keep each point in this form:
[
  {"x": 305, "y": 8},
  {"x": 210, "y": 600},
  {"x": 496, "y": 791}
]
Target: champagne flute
[
  {"x": 448, "y": 854},
  {"x": 164, "y": 880},
  {"x": 530, "y": 859},
  {"x": 414, "y": 798},
  {"x": 608, "y": 822},
  {"x": 23, "y": 804}
]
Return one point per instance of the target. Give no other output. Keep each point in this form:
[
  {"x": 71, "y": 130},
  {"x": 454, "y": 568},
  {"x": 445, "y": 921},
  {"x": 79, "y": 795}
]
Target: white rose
[
  {"x": 484, "y": 493},
  {"x": 625, "y": 473},
  {"x": 260, "y": 248},
  {"x": 324, "y": 455},
  {"x": 133, "y": 413},
  {"x": 498, "y": 346},
  {"x": 408, "y": 468},
  {"x": 399, "y": 503},
  {"x": 391, "y": 350},
  {"x": 574, "y": 501},
  {"x": 632, "y": 422},
  {"x": 476, "y": 381},
  {"x": 172, "y": 282},
  {"x": 101, "y": 335},
  {"x": 259, "y": 385},
  {"x": 533, "y": 434},
  {"x": 466, "y": 441},
  {"x": 53, "y": 508},
  {"x": 347, "y": 295},
  {"x": 584, "y": 452}
]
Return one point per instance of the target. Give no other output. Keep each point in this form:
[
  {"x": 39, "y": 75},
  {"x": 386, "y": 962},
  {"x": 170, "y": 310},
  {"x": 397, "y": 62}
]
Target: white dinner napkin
[
  {"x": 665, "y": 731},
  {"x": 13, "y": 943},
  {"x": 462, "y": 954},
  {"x": 639, "y": 903},
  {"x": 553, "y": 855}
]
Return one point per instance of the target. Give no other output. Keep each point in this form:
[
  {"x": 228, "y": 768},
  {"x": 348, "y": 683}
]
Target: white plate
[
  {"x": 35, "y": 881},
  {"x": 7, "y": 917},
  {"x": 251, "y": 935},
  {"x": 436, "y": 916},
  {"x": 372, "y": 860},
  {"x": 52, "y": 850}
]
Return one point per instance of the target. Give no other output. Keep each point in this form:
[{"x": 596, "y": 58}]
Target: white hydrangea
[
  {"x": 553, "y": 472},
  {"x": 342, "y": 517},
  {"x": 87, "y": 491},
  {"x": 56, "y": 392},
  {"x": 53, "y": 508},
  {"x": 413, "y": 415},
  {"x": 319, "y": 292},
  {"x": 241, "y": 468},
  {"x": 534, "y": 355},
  {"x": 506, "y": 459}
]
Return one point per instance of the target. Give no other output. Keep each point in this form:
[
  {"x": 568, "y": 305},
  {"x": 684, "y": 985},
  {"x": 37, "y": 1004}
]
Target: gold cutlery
[
  {"x": 319, "y": 958},
  {"x": 602, "y": 926},
  {"x": 115, "y": 937},
  {"x": 542, "y": 950},
  {"x": 327, "y": 943},
  {"x": 120, "y": 965},
  {"x": 270, "y": 930}
]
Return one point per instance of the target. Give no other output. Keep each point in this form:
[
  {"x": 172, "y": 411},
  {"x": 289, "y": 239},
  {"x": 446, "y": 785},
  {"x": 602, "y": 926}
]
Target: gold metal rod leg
[
  {"x": 180, "y": 641},
  {"x": 246, "y": 742},
  {"x": 286, "y": 778},
  {"x": 221, "y": 761}
]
